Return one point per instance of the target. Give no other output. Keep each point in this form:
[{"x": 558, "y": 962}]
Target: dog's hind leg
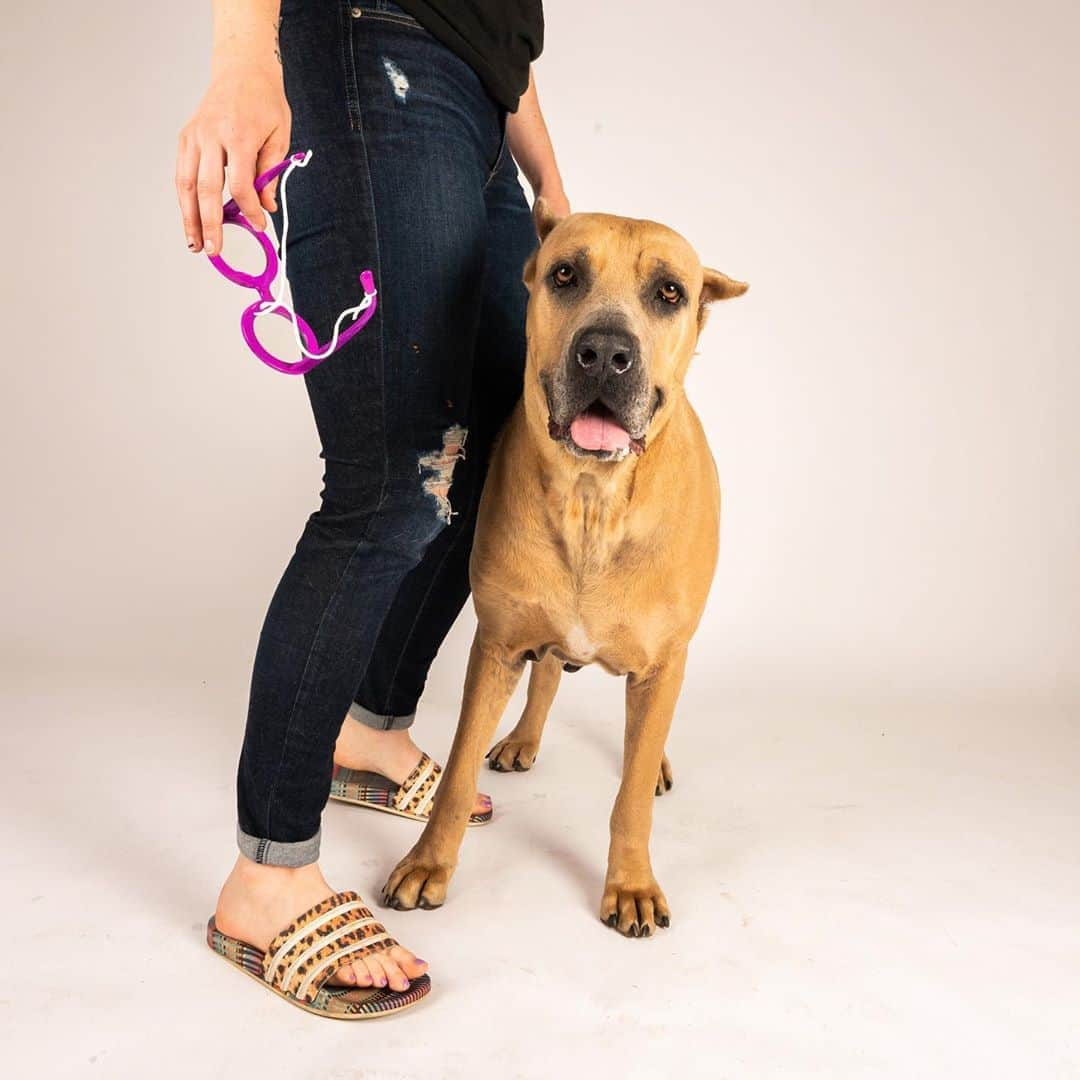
[
  {"x": 519, "y": 749},
  {"x": 422, "y": 876},
  {"x": 633, "y": 902}
]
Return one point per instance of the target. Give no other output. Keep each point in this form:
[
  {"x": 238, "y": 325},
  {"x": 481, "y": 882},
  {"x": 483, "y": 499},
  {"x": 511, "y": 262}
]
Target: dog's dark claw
[
  {"x": 518, "y": 767},
  {"x": 612, "y": 919},
  {"x": 663, "y": 920},
  {"x": 645, "y": 931}
]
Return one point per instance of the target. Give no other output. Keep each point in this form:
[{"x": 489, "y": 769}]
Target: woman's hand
[
  {"x": 242, "y": 122},
  {"x": 555, "y": 197},
  {"x": 530, "y": 144}
]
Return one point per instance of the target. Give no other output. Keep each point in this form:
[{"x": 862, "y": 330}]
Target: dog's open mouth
[{"x": 595, "y": 430}]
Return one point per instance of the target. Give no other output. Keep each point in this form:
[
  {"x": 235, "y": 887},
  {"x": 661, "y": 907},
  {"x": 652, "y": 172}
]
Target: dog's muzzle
[{"x": 600, "y": 401}]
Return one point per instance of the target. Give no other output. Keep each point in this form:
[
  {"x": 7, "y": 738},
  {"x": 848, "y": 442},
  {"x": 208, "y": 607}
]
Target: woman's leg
[
  {"x": 404, "y": 139},
  {"x": 433, "y": 594}
]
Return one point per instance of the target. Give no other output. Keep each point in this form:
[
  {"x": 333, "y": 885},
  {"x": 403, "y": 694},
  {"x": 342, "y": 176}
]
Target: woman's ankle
[
  {"x": 359, "y": 746},
  {"x": 251, "y": 874}
]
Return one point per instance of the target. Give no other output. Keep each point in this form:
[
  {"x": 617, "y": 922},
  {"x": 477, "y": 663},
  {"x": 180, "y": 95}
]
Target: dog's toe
[
  {"x": 513, "y": 755},
  {"x": 664, "y": 779},
  {"x": 635, "y": 912},
  {"x": 416, "y": 884}
]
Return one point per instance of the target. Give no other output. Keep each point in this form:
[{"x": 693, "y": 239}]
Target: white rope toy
[{"x": 278, "y": 303}]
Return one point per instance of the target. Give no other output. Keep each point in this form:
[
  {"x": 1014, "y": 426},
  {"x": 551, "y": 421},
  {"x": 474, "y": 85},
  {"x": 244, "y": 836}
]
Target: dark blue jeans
[{"x": 411, "y": 176}]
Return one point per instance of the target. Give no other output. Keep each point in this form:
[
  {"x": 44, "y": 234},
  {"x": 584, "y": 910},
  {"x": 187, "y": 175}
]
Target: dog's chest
[
  {"x": 607, "y": 636},
  {"x": 579, "y": 646}
]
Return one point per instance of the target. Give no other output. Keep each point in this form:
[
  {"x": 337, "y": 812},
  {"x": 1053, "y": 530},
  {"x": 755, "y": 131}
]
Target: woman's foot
[
  {"x": 392, "y": 754},
  {"x": 258, "y": 901}
]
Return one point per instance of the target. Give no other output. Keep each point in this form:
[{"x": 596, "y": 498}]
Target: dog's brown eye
[
  {"x": 563, "y": 275},
  {"x": 670, "y": 292}
]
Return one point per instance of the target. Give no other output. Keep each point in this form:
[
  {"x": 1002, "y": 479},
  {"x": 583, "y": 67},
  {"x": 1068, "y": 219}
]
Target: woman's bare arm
[
  {"x": 243, "y": 121},
  {"x": 531, "y": 146}
]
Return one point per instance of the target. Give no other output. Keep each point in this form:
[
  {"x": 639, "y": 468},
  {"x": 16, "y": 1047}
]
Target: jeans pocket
[
  {"x": 382, "y": 12},
  {"x": 503, "y": 145}
]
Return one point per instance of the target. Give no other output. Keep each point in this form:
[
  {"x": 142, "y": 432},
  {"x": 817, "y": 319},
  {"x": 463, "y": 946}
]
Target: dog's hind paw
[{"x": 513, "y": 755}]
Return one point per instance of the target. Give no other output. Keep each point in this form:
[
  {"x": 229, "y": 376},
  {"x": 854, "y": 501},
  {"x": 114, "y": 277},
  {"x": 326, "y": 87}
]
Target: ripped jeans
[{"x": 411, "y": 176}]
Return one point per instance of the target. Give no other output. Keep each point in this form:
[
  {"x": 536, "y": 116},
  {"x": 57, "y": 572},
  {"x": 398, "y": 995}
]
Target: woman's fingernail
[
  {"x": 209, "y": 247},
  {"x": 191, "y": 243},
  {"x": 419, "y": 961}
]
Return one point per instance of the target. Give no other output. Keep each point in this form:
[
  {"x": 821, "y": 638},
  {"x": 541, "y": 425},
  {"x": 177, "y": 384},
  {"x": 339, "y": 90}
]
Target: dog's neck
[
  {"x": 587, "y": 502},
  {"x": 588, "y": 505}
]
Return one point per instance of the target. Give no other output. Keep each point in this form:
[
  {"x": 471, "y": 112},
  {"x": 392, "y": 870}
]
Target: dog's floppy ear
[
  {"x": 545, "y": 221},
  {"x": 544, "y": 218},
  {"x": 719, "y": 286}
]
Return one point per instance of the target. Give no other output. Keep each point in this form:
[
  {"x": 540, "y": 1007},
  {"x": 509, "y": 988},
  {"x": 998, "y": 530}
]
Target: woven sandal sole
[{"x": 474, "y": 819}]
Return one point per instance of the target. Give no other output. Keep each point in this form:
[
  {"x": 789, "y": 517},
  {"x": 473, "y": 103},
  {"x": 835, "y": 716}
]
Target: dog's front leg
[
  {"x": 633, "y": 902},
  {"x": 422, "y": 876}
]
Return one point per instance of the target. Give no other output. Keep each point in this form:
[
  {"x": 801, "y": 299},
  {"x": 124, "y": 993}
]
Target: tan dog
[{"x": 597, "y": 535}]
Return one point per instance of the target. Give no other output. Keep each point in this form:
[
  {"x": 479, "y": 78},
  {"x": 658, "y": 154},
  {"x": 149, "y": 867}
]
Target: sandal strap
[
  {"x": 310, "y": 950},
  {"x": 419, "y": 787}
]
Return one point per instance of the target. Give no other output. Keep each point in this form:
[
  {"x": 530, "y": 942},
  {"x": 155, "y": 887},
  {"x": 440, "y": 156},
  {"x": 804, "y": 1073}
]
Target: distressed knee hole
[{"x": 437, "y": 470}]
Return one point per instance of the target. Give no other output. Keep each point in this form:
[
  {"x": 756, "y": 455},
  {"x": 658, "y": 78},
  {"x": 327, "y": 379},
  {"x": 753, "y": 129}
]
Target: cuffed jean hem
[
  {"x": 378, "y": 722},
  {"x": 277, "y": 853}
]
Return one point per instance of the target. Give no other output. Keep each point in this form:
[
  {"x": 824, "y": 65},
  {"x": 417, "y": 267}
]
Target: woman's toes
[
  {"x": 376, "y": 970},
  {"x": 482, "y": 804},
  {"x": 344, "y": 976},
  {"x": 396, "y": 978},
  {"x": 361, "y": 975},
  {"x": 413, "y": 966}
]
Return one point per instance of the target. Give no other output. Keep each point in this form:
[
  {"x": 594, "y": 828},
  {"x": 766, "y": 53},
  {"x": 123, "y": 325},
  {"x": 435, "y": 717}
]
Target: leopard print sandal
[
  {"x": 306, "y": 954},
  {"x": 411, "y": 799}
]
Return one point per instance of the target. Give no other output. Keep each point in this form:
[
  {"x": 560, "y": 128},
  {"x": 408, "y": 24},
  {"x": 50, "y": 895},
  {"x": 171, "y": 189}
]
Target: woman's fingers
[
  {"x": 273, "y": 150},
  {"x": 187, "y": 171},
  {"x": 242, "y": 185},
  {"x": 208, "y": 187}
]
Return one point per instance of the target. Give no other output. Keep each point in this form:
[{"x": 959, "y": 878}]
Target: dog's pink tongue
[{"x": 593, "y": 432}]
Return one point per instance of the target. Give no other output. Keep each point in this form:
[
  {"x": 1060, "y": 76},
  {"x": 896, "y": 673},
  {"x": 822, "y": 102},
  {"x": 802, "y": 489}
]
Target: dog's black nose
[{"x": 603, "y": 351}]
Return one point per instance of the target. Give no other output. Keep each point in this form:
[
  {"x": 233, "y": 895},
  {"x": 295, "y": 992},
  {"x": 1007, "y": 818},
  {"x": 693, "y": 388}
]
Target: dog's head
[{"x": 615, "y": 309}]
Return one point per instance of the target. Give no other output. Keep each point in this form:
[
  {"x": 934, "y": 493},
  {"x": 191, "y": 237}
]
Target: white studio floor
[{"x": 857, "y": 891}]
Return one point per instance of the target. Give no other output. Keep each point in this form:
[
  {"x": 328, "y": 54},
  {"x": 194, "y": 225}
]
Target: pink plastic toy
[{"x": 268, "y": 304}]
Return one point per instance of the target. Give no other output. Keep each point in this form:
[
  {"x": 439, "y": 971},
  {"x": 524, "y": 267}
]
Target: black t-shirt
[{"x": 498, "y": 39}]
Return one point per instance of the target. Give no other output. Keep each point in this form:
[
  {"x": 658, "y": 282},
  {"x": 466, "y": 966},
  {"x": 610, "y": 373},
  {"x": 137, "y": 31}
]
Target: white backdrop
[
  {"x": 890, "y": 405},
  {"x": 871, "y": 845}
]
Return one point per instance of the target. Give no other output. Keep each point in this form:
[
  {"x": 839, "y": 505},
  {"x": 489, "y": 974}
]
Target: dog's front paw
[
  {"x": 417, "y": 881},
  {"x": 663, "y": 779},
  {"x": 635, "y": 911},
  {"x": 513, "y": 754}
]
